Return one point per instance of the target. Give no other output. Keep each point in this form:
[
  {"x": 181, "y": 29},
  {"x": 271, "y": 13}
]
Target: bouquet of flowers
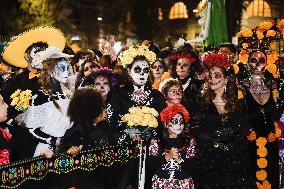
[
  {"x": 140, "y": 120},
  {"x": 21, "y": 99}
]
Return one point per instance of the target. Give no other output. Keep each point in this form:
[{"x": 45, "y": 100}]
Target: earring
[{"x": 225, "y": 88}]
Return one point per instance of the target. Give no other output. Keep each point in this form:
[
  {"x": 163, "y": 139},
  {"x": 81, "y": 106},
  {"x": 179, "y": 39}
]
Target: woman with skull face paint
[
  {"x": 103, "y": 80},
  {"x": 172, "y": 156},
  {"x": 46, "y": 117},
  {"x": 220, "y": 131},
  {"x": 262, "y": 111},
  {"x": 29, "y": 46},
  {"x": 137, "y": 92},
  {"x": 189, "y": 71}
]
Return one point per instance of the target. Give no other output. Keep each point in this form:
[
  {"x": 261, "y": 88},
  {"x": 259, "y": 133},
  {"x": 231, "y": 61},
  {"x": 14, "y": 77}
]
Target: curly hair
[
  {"x": 85, "y": 105},
  {"x": 230, "y": 96}
]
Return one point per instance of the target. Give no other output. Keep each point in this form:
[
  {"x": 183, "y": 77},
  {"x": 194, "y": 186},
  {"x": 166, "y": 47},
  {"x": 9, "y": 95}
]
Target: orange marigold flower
[
  {"x": 261, "y": 152},
  {"x": 245, "y": 45},
  {"x": 261, "y": 141},
  {"x": 259, "y": 35},
  {"x": 265, "y": 26},
  {"x": 280, "y": 24},
  {"x": 261, "y": 163},
  {"x": 252, "y": 135},
  {"x": 236, "y": 68},
  {"x": 243, "y": 56},
  {"x": 271, "y": 137},
  {"x": 273, "y": 45},
  {"x": 247, "y": 33},
  {"x": 265, "y": 185},
  {"x": 270, "y": 33},
  {"x": 261, "y": 175},
  {"x": 272, "y": 68},
  {"x": 241, "y": 96}
]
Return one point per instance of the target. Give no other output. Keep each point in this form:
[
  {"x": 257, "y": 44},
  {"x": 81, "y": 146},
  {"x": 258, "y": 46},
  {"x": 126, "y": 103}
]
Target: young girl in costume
[{"x": 172, "y": 156}]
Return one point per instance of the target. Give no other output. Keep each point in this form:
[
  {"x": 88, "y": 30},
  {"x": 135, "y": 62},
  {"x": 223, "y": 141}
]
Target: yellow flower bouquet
[
  {"x": 140, "y": 120},
  {"x": 21, "y": 99}
]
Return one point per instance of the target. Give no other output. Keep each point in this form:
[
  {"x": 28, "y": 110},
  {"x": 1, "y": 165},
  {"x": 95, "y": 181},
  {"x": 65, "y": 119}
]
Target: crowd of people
[{"x": 217, "y": 119}]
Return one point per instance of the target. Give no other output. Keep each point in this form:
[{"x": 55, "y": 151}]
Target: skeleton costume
[
  {"x": 138, "y": 92},
  {"x": 258, "y": 83},
  {"x": 172, "y": 173}
]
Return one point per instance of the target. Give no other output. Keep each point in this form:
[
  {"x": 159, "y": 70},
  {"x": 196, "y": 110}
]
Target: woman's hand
[{"x": 74, "y": 150}]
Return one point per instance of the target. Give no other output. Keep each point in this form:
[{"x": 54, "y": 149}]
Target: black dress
[
  {"x": 222, "y": 145},
  {"x": 120, "y": 102},
  {"x": 262, "y": 124},
  {"x": 171, "y": 174}
]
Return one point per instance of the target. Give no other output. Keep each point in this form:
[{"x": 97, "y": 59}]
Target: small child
[{"x": 172, "y": 156}]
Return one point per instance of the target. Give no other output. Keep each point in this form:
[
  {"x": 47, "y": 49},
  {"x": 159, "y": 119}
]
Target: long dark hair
[{"x": 230, "y": 96}]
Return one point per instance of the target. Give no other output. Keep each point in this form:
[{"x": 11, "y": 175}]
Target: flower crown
[
  {"x": 127, "y": 56},
  {"x": 169, "y": 112},
  {"x": 219, "y": 60},
  {"x": 263, "y": 37},
  {"x": 183, "y": 54}
]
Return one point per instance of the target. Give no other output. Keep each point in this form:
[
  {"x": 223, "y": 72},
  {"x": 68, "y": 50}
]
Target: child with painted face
[
  {"x": 171, "y": 157},
  {"x": 172, "y": 90}
]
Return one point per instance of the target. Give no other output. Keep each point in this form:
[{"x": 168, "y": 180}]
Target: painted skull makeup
[
  {"x": 176, "y": 125},
  {"x": 216, "y": 78},
  {"x": 182, "y": 68},
  {"x": 60, "y": 72},
  {"x": 257, "y": 63},
  {"x": 174, "y": 95},
  {"x": 157, "y": 69},
  {"x": 139, "y": 72},
  {"x": 102, "y": 85}
]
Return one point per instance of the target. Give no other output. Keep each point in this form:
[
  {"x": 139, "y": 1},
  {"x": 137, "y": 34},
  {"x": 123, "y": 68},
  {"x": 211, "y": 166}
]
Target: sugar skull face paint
[
  {"x": 182, "y": 68},
  {"x": 139, "y": 72},
  {"x": 60, "y": 72},
  {"x": 257, "y": 63},
  {"x": 174, "y": 95},
  {"x": 102, "y": 85},
  {"x": 216, "y": 78},
  {"x": 176, "y": 125}
]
